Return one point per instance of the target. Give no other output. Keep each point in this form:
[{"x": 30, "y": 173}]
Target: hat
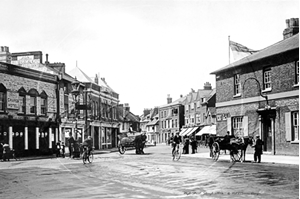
[
  {"x": 257, "y": 136},
  {"x": 177, "y": 132}
]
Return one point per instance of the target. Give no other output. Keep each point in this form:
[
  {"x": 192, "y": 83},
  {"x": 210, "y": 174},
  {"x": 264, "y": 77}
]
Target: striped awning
[
  {"x": 192, "y": 131},
  {"x": 183, "y": 131},
  {"x": 208, "y": 130}
]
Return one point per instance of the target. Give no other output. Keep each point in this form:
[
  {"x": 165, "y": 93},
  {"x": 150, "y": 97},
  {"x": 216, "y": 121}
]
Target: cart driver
[{"x": 176, "y": 141}]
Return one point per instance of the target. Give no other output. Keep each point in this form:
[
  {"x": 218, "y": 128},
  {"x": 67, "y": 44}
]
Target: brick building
[
  {"x": 171, "y": 118},
  {"x": 28, "y": 116},
  {"x": 259, "y": 95}
]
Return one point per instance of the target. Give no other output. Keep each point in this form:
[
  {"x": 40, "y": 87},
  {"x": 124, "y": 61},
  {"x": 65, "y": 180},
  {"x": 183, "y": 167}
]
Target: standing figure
[
  {"x": 63, "y": 149},
  {"x": 194, "y": 145},
  {"x": 210, "y": 143},
  {"x": 176, "y": 141},
  {"x": 58, "y": 149},
  {"x": 71, "y": 144},
  {"x": 6, "y": 152},
  {"x": 258, "y": 143},
  {"x": 186, "y": 145}
]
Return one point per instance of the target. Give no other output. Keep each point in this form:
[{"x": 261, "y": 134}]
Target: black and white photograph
[{"x": 149, "y": 99}]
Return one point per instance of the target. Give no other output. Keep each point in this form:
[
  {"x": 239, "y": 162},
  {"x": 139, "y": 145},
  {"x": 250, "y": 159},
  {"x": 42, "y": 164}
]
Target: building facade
[{"x": 259, "y": 95}]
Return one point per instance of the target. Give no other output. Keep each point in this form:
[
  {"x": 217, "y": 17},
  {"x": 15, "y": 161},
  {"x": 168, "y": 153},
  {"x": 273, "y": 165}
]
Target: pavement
[
  {"x": 202, "y": 152},
  {"x": 265, "y": 158}
]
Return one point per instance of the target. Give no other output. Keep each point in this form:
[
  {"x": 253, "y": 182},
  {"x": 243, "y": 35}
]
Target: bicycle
[
  {"x": 176, "y": 153},
  {"x": 86, "y": 157}
]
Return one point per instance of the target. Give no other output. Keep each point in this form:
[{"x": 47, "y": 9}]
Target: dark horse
[{"x": 241, "y": 145}]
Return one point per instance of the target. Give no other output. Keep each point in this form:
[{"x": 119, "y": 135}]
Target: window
[
  {"x": 32, "y": 103},
  {"x": 295, "y": 125},
  {"x": 237, "y": 126},
  {"x": 267, "y": 79},
  {"x": 43, "y": 103},
  {"x": 297, "y": 73},
  {"x": 2, "y": 98},
  {"x": 66, "y": 105},
  {"x": 237, "y": 90},
  {"x": 22, "y": 100}
]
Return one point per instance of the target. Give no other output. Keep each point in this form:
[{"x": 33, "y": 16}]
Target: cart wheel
[
  {"x": 215, "y": 151},
  {"x": 122, "y": 149},
  {"x": 84, "y": 157}
]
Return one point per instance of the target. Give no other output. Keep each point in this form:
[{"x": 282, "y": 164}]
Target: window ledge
[
  {"x": 295, "y": 142},
  {"x": 296, "y": 85},
  {"x": 267, "y": 90},
  {"x": 237, "y": 95}
]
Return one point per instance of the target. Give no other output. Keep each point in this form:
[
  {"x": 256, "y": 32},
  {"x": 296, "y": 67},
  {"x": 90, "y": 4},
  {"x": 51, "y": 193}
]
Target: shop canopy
[
  {"x": 183, "y": 131},
  {"x": 207, "y": 130},
  {"x": 192, "y": 131}
]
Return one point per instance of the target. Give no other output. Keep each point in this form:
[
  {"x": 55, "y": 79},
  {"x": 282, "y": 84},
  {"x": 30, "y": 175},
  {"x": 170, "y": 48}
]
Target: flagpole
[{"x": 229, "y": 48}]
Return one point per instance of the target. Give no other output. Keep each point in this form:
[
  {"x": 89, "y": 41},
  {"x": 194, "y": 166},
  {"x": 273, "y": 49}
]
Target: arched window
[
  {"x": 22, "y": 100},
  {"x": 2, "y": 98},
  {"x": 43, "y": 103},
  {"x": 32, "y": 103}
]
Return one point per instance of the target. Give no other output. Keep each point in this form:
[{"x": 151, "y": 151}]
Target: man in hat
[
  {"x": 258, "y": 143},
  {"x": 176, "y": 141}
]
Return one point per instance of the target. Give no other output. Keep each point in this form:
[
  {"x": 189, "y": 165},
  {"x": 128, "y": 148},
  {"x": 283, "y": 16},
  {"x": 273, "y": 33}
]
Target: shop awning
[
  {"x": 192, "y": 131},
  {"x": 183, "y": 131},
  {"x": 208, "y": 130},
  {"x": 187, "y": 131}
]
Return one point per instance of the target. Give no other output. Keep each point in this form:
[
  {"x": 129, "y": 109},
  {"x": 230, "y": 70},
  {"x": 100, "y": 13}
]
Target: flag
[{"x": 239, "y": 51}]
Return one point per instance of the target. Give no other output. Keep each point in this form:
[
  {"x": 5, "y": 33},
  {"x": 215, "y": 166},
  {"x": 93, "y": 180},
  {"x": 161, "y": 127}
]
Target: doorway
[{"x": 267, "y": 134}]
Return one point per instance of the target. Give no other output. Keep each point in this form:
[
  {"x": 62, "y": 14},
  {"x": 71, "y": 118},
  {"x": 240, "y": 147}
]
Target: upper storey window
[{"x": 267, "y": 79}]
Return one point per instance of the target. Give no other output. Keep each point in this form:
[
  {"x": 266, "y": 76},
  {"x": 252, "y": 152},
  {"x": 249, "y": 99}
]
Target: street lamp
[{"x": 76, "y": 92}]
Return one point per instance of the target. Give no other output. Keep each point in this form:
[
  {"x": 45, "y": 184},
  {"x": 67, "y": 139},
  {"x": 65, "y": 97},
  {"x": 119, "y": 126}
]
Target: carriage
[
  {"x": 131, "y": 141},
  {"x": 235, "y": 146}
]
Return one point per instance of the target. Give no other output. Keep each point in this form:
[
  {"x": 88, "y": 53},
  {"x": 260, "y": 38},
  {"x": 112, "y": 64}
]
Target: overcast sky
[{"x": 145, "y": 49}]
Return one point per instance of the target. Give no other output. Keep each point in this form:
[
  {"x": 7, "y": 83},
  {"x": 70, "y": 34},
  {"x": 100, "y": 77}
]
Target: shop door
[{"x": 267, "y": 134}]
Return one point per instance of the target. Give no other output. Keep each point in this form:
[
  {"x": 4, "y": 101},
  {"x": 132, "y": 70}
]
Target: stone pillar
[
  {"x": 26, "y": 137},
  {"x": 37, "y": 143},
  {"x": 10, "y": 137},
  {"x": 273, "y": 135},
  {"x": 260, "y": 127},
  {"x": 50, "y": 138}
]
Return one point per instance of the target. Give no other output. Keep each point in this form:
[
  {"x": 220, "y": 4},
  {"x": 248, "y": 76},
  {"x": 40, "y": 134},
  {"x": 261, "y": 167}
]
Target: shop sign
[{"x": 12, "y": 100}]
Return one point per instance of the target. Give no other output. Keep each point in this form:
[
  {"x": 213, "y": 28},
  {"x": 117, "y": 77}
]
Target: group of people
[
  {"x": 75, "y": 148},
  {"x": 5, "y": 152},
  {"x": 176, "y": 140}
]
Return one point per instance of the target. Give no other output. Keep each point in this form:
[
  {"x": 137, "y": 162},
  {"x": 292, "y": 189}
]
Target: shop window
[
  {"x": 2, "y": 98},
  {"x": 237, "y": 126}
]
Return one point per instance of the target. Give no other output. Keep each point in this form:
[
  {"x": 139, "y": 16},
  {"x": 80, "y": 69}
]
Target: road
[{"x": 153, "y": 175}]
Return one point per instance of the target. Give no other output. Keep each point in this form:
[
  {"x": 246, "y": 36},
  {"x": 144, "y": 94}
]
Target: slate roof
[{"x": 291, "y": 43}]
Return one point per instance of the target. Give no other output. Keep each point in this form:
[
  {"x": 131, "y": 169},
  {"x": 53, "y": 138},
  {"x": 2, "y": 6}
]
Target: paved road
[{"x": 153, "y": 175}]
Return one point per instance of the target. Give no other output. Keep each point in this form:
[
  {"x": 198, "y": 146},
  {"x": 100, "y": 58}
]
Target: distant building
[{"x": 259, "y": 95}]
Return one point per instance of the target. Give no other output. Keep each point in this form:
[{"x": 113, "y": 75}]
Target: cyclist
[
  {"x": 176, "y": 141},
  {"x": 89, "y": 144}
]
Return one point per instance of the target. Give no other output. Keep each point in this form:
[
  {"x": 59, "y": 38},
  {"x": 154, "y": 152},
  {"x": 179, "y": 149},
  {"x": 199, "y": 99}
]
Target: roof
[
  {"x": 153, "y": 122},
  {"x": 178, "y": 101},
  {"x": 291, "y": 43}
]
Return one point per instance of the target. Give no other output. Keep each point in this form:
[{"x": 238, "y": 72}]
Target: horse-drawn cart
[
  {"x": 235, "y": 146},
  {"x": 132, "y": 141}
]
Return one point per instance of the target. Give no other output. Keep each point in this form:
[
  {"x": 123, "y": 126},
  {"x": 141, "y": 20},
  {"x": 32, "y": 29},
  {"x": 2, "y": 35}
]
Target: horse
[{"x": 241, "y": 145}]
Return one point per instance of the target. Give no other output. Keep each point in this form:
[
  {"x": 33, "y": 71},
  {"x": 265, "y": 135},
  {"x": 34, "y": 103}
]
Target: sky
[{"x": 145, "y": 49}]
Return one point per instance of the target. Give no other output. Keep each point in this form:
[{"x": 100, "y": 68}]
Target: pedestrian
[
  {"x": 63, "y": 149},
  {"x": 6, "y": 152},
  {"x": 210, "y": 143},
  {"x": 257, "y": 144},
  {"x": 58, "y": 149},
  {"x": 186, "y": 145},
  {"x": 71, "y": 145},
  {"x": 194, "y": 145}
]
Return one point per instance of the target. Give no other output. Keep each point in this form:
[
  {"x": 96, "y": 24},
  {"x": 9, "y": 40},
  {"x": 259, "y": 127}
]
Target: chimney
[
  {"x": 126, "y": 106},
  {"x": 169, "y": 99},
  {"x": 292, "y": 27},
  {"x": 207, "y": 86},
  {"x": 46, "y": 62},
  {"x": 96, "y": 79},
  {"x": 5, "y": 55},
  {"x": 181, "y": 96}
]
